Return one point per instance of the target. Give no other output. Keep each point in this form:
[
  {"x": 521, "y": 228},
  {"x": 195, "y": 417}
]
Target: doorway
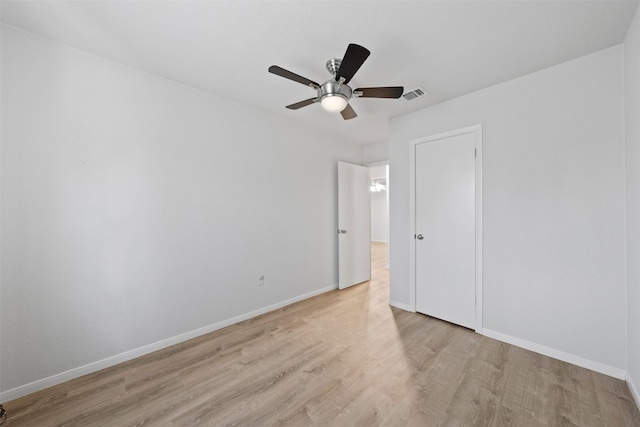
[
  {"x": 363, "y": 221},
  {"x": 379, "y": 191}
]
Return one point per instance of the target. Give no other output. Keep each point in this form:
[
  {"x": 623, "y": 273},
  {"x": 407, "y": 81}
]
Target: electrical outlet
[{"x": 260, "y": 280}]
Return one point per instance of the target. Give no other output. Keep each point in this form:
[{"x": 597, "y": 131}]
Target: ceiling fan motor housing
[
  {"x": 329, "y": 91},
  {"x": 333, "y": 88}
]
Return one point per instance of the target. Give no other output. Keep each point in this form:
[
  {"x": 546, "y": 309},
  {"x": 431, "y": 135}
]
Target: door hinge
[{"x": 475, "y": 153}]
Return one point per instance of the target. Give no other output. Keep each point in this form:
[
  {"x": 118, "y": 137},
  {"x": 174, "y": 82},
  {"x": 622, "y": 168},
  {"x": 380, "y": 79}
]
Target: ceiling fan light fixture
[
  {"x": 334, "y": 103},
  {"x": 334, "y": 96}
]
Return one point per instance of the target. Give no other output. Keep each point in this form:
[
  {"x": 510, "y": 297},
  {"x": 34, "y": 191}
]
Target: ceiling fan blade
[
  {"x": 353, "y": 59},
  {"x": 380, "y": 92},
  {"x": 279, "y": 71},
  {"x": 348, "y": 113},
  {"x": 302, "y": 104}
]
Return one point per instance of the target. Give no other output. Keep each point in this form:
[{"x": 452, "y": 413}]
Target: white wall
[
  {"x": 375, "y": 153},
  {"x": 379, "y": 217},
  {"x": 632, "y": 130},
  {"x": 554, "y": 237},
  {"x": 137, "y": 211}
]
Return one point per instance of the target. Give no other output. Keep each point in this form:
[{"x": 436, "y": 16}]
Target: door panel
[
  {"x": 445, "y": 228},
  {"x": 354, "y": 224}
]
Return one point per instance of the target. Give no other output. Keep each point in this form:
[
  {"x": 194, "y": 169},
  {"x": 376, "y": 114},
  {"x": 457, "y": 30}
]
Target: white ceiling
[{"x": 225, "y": 47}]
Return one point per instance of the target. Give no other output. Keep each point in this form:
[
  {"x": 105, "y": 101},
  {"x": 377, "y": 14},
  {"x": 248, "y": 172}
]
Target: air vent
[{"x": 413, "y": 94}]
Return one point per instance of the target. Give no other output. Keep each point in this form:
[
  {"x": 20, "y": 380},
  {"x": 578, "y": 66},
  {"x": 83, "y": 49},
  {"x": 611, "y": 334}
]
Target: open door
[{"x": 354, "y": 225}]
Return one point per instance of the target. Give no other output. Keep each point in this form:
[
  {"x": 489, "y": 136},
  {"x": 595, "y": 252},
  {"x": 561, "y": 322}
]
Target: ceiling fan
[{"x": 335, "y": 93}]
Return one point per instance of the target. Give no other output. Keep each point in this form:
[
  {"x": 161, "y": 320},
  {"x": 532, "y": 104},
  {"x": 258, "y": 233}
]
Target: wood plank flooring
[{"x": 344, "y": 358}]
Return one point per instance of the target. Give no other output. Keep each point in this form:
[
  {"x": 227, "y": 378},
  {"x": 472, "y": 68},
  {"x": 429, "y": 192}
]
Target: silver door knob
[{"x": 419, "y": 237}]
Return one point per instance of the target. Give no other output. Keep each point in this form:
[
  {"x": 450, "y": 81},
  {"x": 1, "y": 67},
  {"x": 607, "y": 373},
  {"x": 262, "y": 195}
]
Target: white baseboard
[
  {"x": 634, "y": 390},
  {"x": 557, "y": 354},
  {"x": 41, "y": 384},
  {"x": 401, "y": 306}
]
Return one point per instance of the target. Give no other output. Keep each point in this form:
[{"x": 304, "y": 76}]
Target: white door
[
  {"x": 445, "y": 227},
  {"x": 354, "y": 225}
]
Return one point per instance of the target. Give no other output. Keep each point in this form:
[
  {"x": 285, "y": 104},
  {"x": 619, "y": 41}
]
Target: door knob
[{"x": 419, "y": 237}]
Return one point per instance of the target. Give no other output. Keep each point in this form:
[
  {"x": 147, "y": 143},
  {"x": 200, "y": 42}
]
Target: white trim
[
  {"x": 479, "y": 231},
  {"x": 401, "y": 306},
  {"x": 634, "y": 390},
  {"x": 38, "y": 385},
  {"x": 557, "y": 354},
  {"x": 412, "y": 225},
  {"x": 378, "y": 241},
  {"x": 477, "y": 129}
]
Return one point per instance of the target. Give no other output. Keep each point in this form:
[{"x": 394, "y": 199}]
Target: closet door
[{"x": 445, "y": 226}]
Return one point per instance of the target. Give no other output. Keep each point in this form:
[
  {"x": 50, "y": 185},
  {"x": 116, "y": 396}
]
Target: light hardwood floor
[{"x": 344, "y": 358}]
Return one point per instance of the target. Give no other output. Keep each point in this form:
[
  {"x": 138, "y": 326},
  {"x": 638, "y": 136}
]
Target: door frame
[{"x": 477, "y": 130}]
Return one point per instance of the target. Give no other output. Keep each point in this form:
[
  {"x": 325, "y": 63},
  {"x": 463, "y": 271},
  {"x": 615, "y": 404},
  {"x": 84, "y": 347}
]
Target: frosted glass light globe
[{"x": 334, "y": 103}]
